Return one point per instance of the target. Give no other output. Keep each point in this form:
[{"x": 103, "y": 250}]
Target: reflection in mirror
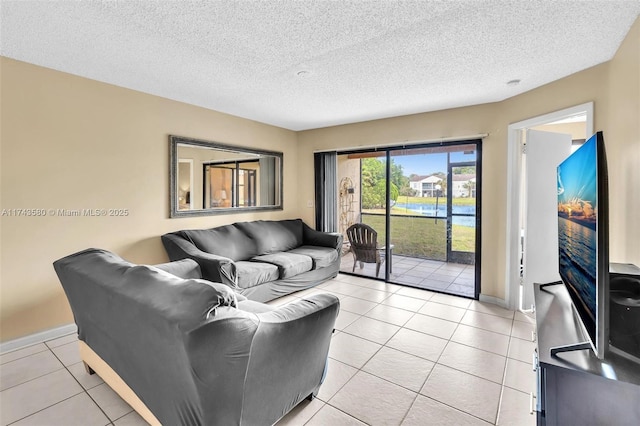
[
  {"x": 212, "y": 178},
  {"x": 185, "y": 183}
]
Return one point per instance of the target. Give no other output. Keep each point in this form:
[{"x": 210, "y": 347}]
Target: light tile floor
[
  {"x": 400, "y": 355},
  {"x": 452, "y": 278}
]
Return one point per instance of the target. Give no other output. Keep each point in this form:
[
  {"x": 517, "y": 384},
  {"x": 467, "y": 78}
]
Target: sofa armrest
[
  {"x": 214, "y": 268},
  {"x": 312, "y": 237},
  {"x": 251, "y": 368},
  {"x": 289, "y": 354}
]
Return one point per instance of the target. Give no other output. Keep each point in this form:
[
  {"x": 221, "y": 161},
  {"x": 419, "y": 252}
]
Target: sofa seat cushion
[
  {"x": 255, "y": 273},
  {"x": 321, "y": 256},
  {"x": 289, "y": 264}
]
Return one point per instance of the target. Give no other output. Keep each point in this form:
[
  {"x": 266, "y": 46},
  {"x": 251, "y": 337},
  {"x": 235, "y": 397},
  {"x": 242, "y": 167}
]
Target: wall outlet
[{"x": 310, "y": 204}]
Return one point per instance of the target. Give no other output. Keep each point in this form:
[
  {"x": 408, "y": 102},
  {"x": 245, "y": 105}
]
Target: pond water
[{"x": 430, "y": 210}]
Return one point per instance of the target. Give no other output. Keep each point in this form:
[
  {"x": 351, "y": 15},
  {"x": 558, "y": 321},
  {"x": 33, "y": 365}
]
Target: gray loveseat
[
  {"x": 184, "y": 351},
  {"x": 261, "y": 260}
]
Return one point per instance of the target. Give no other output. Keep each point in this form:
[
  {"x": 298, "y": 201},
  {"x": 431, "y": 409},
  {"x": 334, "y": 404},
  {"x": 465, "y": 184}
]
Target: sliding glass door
[{"x": 417, "y": 208}]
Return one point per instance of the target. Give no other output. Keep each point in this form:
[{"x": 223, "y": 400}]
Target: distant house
[
  {"x": 464, "y": 186},
  {"x": 425, "y": 186}
]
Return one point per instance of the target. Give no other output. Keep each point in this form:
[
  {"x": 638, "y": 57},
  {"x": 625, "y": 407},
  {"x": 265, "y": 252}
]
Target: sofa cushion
[
  {"x": 228, "y": 241},
  {"x": 289, "y": 264},
  {"x": 274, "y": 236},
  {"x": 322, "y": 256},
  {"x": 254, "y": 273}
]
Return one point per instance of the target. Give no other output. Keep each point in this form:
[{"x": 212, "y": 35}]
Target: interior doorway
[{"x": 576, "y": 121}]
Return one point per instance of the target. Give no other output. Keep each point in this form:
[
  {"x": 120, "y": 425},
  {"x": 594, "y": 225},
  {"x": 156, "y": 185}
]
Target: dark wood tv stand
[{"x": 577, "y": 388}]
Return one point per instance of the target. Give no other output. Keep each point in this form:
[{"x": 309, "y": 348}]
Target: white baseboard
[
  {"x": 491, "y": 299},
  {"x": 36, "y": 338}
]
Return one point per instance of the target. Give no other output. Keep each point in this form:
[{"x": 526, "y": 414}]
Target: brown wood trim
[{"x": 116, "y": 383}]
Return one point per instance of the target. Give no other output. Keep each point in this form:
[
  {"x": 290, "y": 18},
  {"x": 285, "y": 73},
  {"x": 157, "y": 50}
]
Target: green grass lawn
[{"x": 421, "y": 237}]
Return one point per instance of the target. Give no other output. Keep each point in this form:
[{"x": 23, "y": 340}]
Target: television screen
[{"x": 582, "y": 235}]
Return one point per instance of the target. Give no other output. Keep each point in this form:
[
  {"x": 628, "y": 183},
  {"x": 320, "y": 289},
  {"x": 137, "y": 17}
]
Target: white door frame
[{"x": 514, "y": 131}]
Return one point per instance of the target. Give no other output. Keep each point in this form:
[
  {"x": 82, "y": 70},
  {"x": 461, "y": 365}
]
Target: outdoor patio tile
[
  {"x": 434, "y": 284},
  {"x": 415, "y": 273},
  {"x": 459, "y": 267},
  {"x": 460, "y": 290},
  {"x": 464, "y": 281},
  {"x": 448, "y": 272},
  {"x": 440, "y": 277},
  {"x": 408, "y": 279},
  {"x": 426, "y": 268}
]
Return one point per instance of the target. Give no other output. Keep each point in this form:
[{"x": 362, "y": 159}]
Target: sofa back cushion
[
  {"x": 273, "y": 236},
  {"x": 228, "y": 241}
]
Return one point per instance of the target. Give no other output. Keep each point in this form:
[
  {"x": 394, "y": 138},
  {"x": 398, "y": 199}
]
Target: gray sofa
[
  {"x": 185, "y": 351},
  {"x": 261, "y": 260}
]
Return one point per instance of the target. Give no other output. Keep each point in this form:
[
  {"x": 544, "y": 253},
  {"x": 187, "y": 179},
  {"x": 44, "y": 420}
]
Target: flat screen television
[{"x": 583, "y": 234}]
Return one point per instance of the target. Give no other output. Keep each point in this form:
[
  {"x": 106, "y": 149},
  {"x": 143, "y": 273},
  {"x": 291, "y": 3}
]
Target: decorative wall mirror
[{"x": 208, "y": 178}]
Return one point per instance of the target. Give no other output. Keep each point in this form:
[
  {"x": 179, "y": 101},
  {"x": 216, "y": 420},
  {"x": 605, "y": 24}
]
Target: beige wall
[
  {"x": 576, "y": 130},
  {"x": 614, "y": 89},
  {"x": 622, "y": 140},
  {"x": 74, "y": 143}
]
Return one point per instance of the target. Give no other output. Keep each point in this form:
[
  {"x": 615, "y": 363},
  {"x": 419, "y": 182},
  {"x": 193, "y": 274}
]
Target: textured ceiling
[{"x": 308, "y": 64}]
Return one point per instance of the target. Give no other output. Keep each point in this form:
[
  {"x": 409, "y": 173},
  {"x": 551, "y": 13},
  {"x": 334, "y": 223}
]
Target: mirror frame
[{"x": 173, "y": 173}]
